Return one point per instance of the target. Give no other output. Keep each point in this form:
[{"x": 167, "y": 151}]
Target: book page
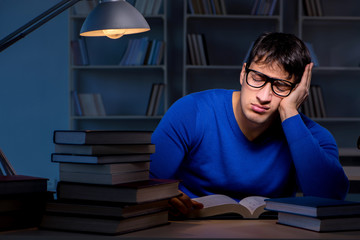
[
  {"x": 252, "y": 203},
  {"x": 215, "y": 200}
]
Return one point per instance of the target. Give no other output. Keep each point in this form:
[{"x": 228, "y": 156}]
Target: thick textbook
[
  {"x": 99, "y": 159},
  {"x": 105, "y": 149},
  {"x": 218, "y": 204},
  {"x": 313, "y": 206},
  {"x": 133, "y": 192},
  {"x": 327, "y": 224},
  {"x": 104, "y": 178},
  {"x": 101, "y": 137},
  {"x": 106, "y": 209},
  {"x": 101, "y": 225},
  {"x": 112, "y": 168}
]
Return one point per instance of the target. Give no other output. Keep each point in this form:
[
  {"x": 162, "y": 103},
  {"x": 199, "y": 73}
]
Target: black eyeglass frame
[{"x": 269, "y": 79}]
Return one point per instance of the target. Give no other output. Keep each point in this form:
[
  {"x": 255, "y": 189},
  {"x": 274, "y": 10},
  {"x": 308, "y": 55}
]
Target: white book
[{"x": 87, "y": 103}]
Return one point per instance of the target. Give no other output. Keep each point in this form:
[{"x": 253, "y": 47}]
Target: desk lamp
[{"x": 111, "y": 18}]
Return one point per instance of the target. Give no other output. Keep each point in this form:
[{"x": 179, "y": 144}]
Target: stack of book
[
  {"x": 104, "y": 183},
  {"x": 316, "y": 214}
]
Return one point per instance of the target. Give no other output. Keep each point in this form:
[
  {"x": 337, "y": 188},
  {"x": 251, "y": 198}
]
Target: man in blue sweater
[{"x": 253, "y": 141}]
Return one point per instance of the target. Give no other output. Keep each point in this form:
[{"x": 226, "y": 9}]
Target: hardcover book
[
  {"x": 105, "y": 168},
  {"x": 327, "y": 224},
  {"x": 100, "y": 225},
  {"x": 104, "y": 178},
  {"x": 105, "y": 149},
  {"x": 313, "y": 206},
  {"x": 99, "y": 159},
  {"x": 101, "y": 137},
  {"x": 106, "y": 209},
  {"x": 133, "y": 192}
]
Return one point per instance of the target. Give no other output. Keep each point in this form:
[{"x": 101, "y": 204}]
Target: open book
[{"x": 217, "y": 204}]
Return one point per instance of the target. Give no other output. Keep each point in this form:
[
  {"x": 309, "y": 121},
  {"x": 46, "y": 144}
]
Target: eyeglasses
[{"x": 257, "y": 79}]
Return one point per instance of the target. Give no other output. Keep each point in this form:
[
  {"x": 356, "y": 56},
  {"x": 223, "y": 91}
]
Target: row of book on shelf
[
  {"x": 263, "y": 7},
  {"x": 314, "y": 105},
  {"x": 139, "y": 51},
  {"x": 104, "y": 183},
  {"x": 91, "y": 104},
  {"x": 198, "y": 54},
  {"x": 143, "y": 51},
  {"x": 145, "y": 7},
  {"x": 212, "y": 7},
  {"x": 148, "y": 7},
  {"x": 218, "y": 7},
  {"x": 313, "y": 8},
  {"x": 88, "y": 104}
]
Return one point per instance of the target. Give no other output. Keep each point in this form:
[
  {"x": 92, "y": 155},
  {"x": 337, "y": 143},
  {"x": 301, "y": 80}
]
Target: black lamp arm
[{"x": 35, "y": 23}]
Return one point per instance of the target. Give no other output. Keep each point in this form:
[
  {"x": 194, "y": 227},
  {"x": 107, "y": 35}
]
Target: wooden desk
[{"x": 193, "y": 229}]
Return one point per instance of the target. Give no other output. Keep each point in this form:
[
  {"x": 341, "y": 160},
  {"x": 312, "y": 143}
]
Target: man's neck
[{"x": 250, "y": 130}]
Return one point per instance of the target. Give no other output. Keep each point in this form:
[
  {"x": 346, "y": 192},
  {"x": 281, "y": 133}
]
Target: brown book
[
  {"x": 108, "y": 226},
  {"x": 99, "y": 159},
  {"x": 133, "y": 192},
  {"x": 112, "y": 168},
  {"x": 105, "y": 149},
  {"x": 104, "y": 178},
  {"x": 15, "y": 184},
  {"x": 101, "y": 137},
  {"x": 106, "y": 209}
]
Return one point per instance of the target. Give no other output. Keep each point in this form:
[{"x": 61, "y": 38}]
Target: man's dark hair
[{"x": 282, "y": 48}]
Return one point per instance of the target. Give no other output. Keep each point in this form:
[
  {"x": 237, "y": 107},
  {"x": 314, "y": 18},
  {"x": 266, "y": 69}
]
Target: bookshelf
[
  {"x": 228, "y": 36},
  {"x": 125, "y": 89},
  {"x": 335, "y": 41}
]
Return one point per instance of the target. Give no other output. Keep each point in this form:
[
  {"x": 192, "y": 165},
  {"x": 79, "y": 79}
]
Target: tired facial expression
[{"x": 259, "y": 106}]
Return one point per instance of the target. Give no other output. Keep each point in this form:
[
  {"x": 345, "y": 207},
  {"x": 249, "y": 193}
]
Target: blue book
[
  {"x": 127, "y": 52},
  {"x": 156, "y": 52},
  {"x": 133, "y": 52},
  {"x": 152, "y": 52},
  {"x": 313, "y": 206},
  {"x": 191, "y": 7},
  {"x": 77, "y": 106},
  {"x": 313, "y": 56},
  {"x": 140, "y": 51}
]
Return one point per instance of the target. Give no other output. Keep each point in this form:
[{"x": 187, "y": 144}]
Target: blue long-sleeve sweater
[{"x": 200, "y": 143}]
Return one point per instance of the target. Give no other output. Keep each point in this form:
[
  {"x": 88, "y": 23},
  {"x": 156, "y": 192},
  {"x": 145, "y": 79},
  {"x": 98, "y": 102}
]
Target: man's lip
[{"x": 259, "y": 108}]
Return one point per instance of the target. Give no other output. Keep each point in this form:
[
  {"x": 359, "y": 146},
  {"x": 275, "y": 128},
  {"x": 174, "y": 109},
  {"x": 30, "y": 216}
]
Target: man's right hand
[{"x": 181, "y": 205}]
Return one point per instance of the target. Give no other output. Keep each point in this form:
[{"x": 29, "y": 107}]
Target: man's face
[{"x": 260, "y": 105}]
